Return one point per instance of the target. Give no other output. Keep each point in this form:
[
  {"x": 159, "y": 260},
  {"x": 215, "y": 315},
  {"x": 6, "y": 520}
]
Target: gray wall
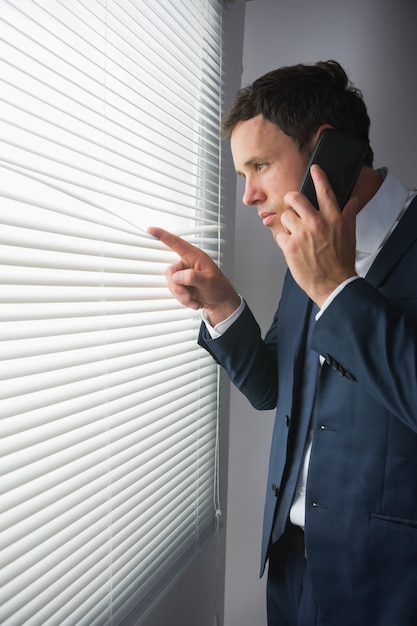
[
  {"x": 197, "y": 598},
  {"x": 375, "y": 40}
]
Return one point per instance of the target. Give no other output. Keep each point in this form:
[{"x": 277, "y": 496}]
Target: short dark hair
[{"x": 299, "y": 99}]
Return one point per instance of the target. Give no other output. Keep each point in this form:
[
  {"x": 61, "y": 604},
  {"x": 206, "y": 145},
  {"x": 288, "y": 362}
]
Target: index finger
[
  {"x": 177, "y": 244},
  {"x": 325, "y": 195}
]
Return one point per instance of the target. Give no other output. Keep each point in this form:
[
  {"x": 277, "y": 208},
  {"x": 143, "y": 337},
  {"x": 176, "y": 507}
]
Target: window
[{"x": 109, "y": 115}]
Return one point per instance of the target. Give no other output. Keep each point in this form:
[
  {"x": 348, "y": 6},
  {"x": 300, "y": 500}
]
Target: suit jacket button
[{"x": 275, "y": 490}]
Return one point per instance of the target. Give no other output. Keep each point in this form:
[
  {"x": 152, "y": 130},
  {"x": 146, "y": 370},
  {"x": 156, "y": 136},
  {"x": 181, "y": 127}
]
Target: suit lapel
[{"x": 403, "y": 236}]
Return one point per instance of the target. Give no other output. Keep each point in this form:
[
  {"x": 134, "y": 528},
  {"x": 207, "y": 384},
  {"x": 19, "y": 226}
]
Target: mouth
[{"x": 267, "y": 218}]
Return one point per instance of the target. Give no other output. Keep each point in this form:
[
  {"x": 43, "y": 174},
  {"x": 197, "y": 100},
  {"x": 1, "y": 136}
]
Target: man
[{"x": 346, "y": 552}]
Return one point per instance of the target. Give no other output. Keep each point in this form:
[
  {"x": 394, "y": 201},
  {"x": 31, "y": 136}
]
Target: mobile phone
[{"x": 341, "y": 156}]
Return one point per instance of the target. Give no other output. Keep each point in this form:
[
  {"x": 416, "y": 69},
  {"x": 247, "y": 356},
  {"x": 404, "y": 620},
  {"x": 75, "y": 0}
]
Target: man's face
[{"x": 271, "y": 164}]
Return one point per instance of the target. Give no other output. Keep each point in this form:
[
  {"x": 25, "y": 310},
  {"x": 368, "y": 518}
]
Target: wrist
[{"x": 220, "y": 313}]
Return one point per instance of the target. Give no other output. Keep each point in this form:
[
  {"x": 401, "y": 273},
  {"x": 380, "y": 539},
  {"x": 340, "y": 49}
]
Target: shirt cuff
[
  {"x": 333, "y": 295},
  {"x": 219, "y": 329}
]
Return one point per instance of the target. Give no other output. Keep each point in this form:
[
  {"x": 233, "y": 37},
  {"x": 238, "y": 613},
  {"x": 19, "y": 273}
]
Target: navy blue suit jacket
[{"x": 361, "y": 502}]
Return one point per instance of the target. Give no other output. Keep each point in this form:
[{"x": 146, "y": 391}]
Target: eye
[{"x": 260, "y": 166}]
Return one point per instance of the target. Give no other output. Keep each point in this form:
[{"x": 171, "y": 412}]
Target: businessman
[{"x": 339, "y": 361}]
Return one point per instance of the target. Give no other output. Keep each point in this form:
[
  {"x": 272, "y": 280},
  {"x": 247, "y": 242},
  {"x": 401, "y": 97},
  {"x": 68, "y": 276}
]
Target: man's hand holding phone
[{"x": 319, "y": 246}]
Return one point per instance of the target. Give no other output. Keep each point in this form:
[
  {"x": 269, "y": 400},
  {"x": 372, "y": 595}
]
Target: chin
[{"x": 275, "y": 231}]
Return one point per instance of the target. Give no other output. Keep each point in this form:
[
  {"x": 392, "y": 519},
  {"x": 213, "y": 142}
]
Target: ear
[
  {"x": 314, "y": 139},
  {"x": 320, "y": 130}
]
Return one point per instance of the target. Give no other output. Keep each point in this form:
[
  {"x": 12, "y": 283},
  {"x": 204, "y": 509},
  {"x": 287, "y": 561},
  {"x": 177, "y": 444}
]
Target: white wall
[{"x": 375, "y": 40}]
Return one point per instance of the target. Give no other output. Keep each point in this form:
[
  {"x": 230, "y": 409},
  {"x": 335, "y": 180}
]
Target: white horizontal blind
[{"x": 108, "y": 123}]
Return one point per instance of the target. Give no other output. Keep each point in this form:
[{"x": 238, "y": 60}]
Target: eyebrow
[{"x": 250, "y": 162}]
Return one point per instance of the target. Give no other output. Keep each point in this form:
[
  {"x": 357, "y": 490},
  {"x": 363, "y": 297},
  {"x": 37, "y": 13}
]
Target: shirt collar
[{"x": 378, "y": 217}]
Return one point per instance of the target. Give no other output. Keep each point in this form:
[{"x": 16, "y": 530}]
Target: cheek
[
  {"x": 279, "y": 187},
  {"x": 287, "y": 179}
]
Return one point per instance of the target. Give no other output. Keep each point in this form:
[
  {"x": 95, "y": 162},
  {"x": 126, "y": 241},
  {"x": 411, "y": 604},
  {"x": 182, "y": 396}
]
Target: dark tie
[{"x": 307, "y": 395}]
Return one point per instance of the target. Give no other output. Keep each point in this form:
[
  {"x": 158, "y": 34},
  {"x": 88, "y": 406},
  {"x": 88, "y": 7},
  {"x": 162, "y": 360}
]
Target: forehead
[
  {"x": 256, "y": 128},
  {"x": 257, "y": 138}
]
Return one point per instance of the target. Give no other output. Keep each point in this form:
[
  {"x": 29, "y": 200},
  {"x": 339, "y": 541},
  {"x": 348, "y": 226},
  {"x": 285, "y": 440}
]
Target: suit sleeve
[
  {"x": 370, "y": 336},
  {"x": 249, "y": 360}
]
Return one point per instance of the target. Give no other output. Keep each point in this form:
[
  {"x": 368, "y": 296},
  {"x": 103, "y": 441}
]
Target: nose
[{"x": 253, "y": 194}]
